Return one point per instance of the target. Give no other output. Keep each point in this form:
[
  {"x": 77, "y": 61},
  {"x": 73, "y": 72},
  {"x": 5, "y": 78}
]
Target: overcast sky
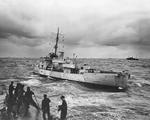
[{"x": 91, "y": 28}]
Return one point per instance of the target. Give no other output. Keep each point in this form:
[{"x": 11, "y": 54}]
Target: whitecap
[{"x": 31, "y": 82}]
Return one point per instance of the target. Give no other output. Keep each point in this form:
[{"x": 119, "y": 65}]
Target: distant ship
[
  {"x": 132, "y": 58},
  {"x": 55, "y": 66}
]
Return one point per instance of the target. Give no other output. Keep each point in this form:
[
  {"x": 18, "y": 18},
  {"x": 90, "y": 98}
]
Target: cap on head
[
  {"x": 62, "y": 97},
  {"x": 22, "y": 86},
  {"x": 45, "y": 96},
  {"x": 28, "y": 88}
]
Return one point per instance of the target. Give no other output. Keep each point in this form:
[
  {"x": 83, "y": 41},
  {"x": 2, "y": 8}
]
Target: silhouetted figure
[
  {"x": 46, "y": 107},
  {"x": 11, "y": 105},
  {"x": 28, "y": 98},
  {"x": 17, "y": 89},
  {"x": 63, "y": 108},
  {"x": 11, "y": 88},
  {"x": 20, "y": 97}
]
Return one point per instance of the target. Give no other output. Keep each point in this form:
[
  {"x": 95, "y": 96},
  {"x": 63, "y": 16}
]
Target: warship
[
  {"x": 55, "y": 66},
  {"x": 132, "y": 58}
]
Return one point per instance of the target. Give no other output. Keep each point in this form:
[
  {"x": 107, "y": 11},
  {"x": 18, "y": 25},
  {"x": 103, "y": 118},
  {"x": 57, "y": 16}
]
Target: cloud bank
[{"x": 118, "y": 28}]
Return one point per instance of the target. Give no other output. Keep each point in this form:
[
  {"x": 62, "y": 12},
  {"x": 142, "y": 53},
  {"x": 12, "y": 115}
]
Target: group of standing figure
[
  {"x": 18, "y": 97},
  {"x": 46, "y": 110}
]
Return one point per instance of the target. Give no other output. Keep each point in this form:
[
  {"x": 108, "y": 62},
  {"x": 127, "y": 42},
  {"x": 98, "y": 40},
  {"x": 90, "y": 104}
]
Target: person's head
[
  {"x": 18, "y": 84},
  {"x": 45, "y": 96},
  {"x": 28, "y": 88},
  {"x": 12, "y": 82},
  {"x": 22, "y": 86},
  {"x": 62, "y": 97}
]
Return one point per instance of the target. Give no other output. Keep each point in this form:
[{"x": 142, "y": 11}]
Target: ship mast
[{"x": 57, "y": 38}]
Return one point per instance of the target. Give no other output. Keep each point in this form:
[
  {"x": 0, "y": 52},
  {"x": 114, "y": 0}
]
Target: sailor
[
  {"x": 11, "y": 103},
  {"x": 28, "y": 98},
  {"x": 17, "y": 89},
  {"x": 20, "y": 97},
  {"x": 45, "y": 107},
  {"x": 11, "y": 88},
  {"x": 63, "y": 108}
]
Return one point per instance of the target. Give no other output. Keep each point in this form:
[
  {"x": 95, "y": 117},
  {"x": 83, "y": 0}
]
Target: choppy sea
[{"x": 85, "y": 102}]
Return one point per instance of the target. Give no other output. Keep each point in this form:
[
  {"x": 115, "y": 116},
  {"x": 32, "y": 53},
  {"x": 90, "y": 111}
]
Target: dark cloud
[
  {"x": 138, "y": 41},
  {"x": 18, "y": 33},
  {"x": 24, "y": 41},
  {"x": 139, "y": 37},
  {"x": 10, "y": 27},
  {"x": 142, "y": 28},
  {"x": 90, "y": 26},
  {"x": 73, "y": 39}
]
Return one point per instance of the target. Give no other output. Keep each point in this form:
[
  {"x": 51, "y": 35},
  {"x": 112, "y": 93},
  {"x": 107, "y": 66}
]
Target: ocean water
[{"x": 85, "y": 102}]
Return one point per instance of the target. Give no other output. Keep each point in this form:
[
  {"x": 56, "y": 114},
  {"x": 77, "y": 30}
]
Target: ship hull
[{"x": 107, "y": 79}]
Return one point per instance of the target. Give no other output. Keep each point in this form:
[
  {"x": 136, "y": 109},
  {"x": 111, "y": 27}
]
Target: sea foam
[{"x": 31, "y": 82}]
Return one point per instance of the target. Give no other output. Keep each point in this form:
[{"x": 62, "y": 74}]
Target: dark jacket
[
  {"x": 63, "y": 109},
  {"x": 11, "y": 88},
  {"x": 45, "y": 104},
  {"x": 28, "y": 95}
]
